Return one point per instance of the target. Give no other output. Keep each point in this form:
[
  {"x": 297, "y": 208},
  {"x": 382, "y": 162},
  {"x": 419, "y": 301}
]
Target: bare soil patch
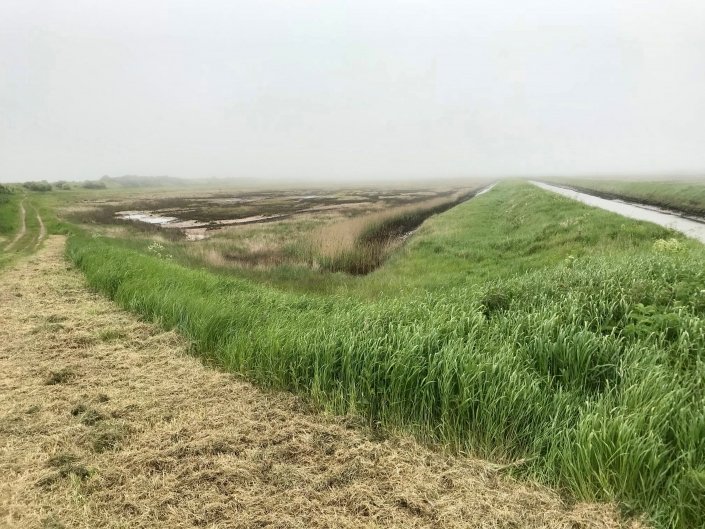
[
  {"x": 42, "y": 230},
  {"x": 106, "y": 421}
]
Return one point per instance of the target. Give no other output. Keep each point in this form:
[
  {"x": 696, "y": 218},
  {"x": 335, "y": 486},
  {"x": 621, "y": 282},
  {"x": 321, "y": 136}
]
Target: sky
[{"x": 351, "y": 90}]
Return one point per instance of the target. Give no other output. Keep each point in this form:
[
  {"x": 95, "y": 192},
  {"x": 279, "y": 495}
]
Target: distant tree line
[
  {"x": 101, "y": 183},
  {"x": 42, "y": 186},
  {"x": 142, "y": 181},
  {"x": 93, "y": 184}
]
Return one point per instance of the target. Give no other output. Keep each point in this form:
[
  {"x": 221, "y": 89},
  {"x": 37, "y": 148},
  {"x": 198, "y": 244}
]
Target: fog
[{"x": 335, "y": 90}]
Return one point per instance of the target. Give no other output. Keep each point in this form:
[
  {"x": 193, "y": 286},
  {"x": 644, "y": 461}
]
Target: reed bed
[
  {"x": 357, "y": 243},
  {"x": 361, "y": 244}
]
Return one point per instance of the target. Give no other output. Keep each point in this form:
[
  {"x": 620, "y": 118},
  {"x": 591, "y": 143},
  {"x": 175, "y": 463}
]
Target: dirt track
[
  {"x": 42, "y": 230},
  {"x": 107, "y": 422}
]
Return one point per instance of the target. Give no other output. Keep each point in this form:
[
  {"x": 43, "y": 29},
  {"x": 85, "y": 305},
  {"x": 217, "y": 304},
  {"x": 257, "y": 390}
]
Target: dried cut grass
[{"x": 171, "y": 443}]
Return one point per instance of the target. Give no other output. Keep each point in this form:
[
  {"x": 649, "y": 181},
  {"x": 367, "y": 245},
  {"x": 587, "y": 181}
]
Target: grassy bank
[
  {"x": 9, "y": 223},
  {"x": 26, "y": 218},
  {"x": 519, "y": 325},
  {"x": 9, "y": 212},
  {"x": 686, "y": 197}
]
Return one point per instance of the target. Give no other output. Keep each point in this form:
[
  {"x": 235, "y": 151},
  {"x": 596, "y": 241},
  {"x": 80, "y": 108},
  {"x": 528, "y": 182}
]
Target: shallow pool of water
[{"x": 691, "y": 228}]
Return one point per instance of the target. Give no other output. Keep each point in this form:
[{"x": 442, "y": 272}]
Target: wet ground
[
  {"x": 197, "y": 216},
  {"x": 688, "y": 226}
]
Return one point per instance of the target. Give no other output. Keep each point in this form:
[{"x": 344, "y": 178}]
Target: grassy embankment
[
  {"x": 687, "y": 197},
  {"x": 9, "y": 213},
  {"x": 12, "y": 244},
  {"x": 520, "y": 326},
  {"x": 9, "y": 216}
]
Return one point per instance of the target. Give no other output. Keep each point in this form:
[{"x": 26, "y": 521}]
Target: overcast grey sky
[{"x": 350, "y": 89}]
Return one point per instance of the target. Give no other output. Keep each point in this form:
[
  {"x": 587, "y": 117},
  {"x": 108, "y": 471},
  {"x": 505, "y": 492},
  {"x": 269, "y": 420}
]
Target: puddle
[
  {"x": 194, "y": 230},
  {"x": 483, "y": 191},
  {"x": 689, "y": 227},
  {"x": 144, "y": 216},
  {"x": 247, "y": 220}
]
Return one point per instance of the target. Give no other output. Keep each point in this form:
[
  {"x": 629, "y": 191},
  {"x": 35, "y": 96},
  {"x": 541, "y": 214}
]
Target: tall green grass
[
  {"x": 584, "y": 355},
  {"x": 9, "y": 222},
  {"x": 9, "y": 213}
]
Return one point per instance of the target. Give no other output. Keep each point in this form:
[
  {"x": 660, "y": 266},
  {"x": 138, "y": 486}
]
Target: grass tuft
[
  {"x": 107, "y": 436},
  {"x": 62, "y": 376}
]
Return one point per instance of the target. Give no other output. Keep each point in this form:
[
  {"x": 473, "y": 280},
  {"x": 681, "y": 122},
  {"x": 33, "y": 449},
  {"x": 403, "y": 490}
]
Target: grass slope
[
  {"x": 9, "y": 214},
  {"x": 514, "y": 229},
  {"x": 9, "y": 224},
  {"x": 519, "y": 325}
]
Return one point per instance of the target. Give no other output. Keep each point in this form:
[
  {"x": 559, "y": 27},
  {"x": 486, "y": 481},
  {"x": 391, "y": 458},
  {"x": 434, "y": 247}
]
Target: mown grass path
[{"x": 106, "y": 421}]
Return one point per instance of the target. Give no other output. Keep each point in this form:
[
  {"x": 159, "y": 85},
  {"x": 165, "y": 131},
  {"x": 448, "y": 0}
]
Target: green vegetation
[
  {"x": 93, "y": 184},
  {"x": 519, "y": 325},
  {"x": 41, "y": 186},
  {"x": 688, "y": 197},
  {"x": 9, "y": 219},
  {"x": 62, "y": 185},
  {"x": 25, "y": 220},
  {"x": 9, "y": 213},
  {"x": 464, "y": 245}
]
